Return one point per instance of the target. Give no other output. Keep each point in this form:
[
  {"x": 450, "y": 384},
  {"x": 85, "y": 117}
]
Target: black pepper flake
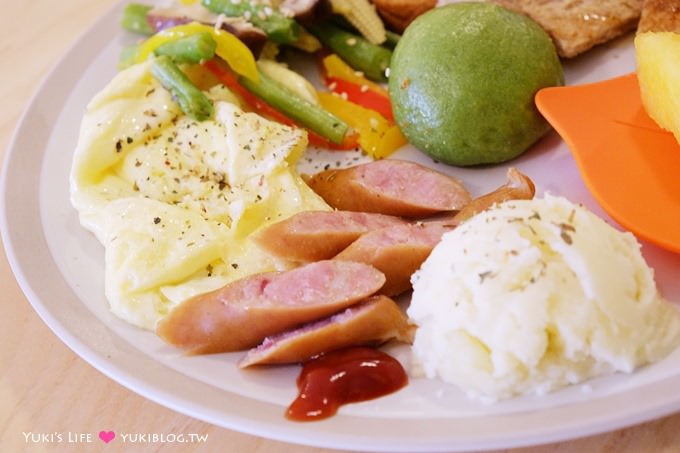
[
  {"x": 535, "y": 215},
  {"x": 129, "y": 140},
  {"x": 484, "y": 275},
  {"x": 234, "y": 265},
  {"x": 571, "y": 215},
  {"x": 156, "y": 220},
  {"x": 565, "y": 229},
  {"x": 565, "y": 237},
  {"x": 119, "y": 146}
]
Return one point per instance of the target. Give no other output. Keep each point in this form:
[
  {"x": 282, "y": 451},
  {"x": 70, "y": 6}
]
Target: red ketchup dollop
[{"x": 345, "y": 376}]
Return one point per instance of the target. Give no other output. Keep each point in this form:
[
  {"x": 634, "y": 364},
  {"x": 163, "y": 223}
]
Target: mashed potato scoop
[{"x": 533, "y": 295}]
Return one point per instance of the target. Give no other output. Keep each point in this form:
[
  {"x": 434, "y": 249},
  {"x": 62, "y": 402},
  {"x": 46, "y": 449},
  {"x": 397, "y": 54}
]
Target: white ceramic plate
[{"x": 60, "y": 268}]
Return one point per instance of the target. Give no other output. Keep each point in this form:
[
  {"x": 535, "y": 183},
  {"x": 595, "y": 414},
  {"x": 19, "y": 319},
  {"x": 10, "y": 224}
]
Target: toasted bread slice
[
  {"x": 398, "y": 14},
  {"x": 660, "y": 15},
  {"x": 579, "y": 25}
]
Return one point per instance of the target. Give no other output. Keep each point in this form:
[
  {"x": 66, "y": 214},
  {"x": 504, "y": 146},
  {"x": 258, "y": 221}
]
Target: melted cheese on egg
[{"x": 174, "y": 200}]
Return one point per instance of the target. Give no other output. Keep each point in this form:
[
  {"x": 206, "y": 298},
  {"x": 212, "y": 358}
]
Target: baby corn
[{"x": 362, "y": 15}]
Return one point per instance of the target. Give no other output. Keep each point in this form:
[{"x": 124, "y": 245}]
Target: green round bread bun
[{"x": 463, "y": 79}]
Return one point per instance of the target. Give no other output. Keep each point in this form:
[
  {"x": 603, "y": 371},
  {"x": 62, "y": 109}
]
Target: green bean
[
  {"x": 304, "y": 112},
  {"x": 127, "y": 56},
  {"x": 359, "y": 53},
  {"x": 279, "y": 28},
  {"x": 392, "y": 39},
  {"x": 191, "y": 100},
  {"x": 134, "y": 19},
  {"x": 189, "y": 49}
]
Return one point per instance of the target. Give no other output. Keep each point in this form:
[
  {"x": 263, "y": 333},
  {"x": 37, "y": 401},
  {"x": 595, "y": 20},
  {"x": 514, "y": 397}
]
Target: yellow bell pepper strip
[
  {"x": 340, "y": 78},
  {"x": 334, "y": 67},
  {"x": 229, "y": 47},
  {"x": 377, "y": 136},
  {"x": 392, "y": 140}
]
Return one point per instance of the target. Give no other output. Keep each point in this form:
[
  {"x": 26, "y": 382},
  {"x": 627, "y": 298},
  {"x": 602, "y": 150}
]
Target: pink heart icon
[{"x": 107, "y": 436}]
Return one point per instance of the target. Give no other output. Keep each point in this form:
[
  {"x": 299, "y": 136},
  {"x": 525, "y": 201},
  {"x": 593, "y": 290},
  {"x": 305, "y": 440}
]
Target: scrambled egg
[{"x": 174, "y": 200}]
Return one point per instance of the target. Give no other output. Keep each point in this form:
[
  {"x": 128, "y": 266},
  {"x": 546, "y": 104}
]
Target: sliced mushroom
[
  {"x": 251, "y": 36},
  {"x": 306, "y": 11}
]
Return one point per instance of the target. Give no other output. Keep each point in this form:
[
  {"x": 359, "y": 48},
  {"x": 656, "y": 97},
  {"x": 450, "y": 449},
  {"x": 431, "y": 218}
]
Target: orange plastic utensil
[{"x": 629, "y": 164}]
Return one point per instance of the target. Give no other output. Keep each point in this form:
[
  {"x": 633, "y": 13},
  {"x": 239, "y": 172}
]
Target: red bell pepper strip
[
  {"x": 340, "y": 78},
  {"x": 377, "y": 136},
  {"x": 361, "y": 95}
]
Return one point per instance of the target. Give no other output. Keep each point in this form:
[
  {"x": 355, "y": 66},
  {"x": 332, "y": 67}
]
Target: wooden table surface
[{"x": 45, "y": 389}]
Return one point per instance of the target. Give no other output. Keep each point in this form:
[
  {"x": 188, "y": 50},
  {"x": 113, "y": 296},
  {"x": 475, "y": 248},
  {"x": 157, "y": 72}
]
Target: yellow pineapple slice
[{"x": 658, "y": 71}]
